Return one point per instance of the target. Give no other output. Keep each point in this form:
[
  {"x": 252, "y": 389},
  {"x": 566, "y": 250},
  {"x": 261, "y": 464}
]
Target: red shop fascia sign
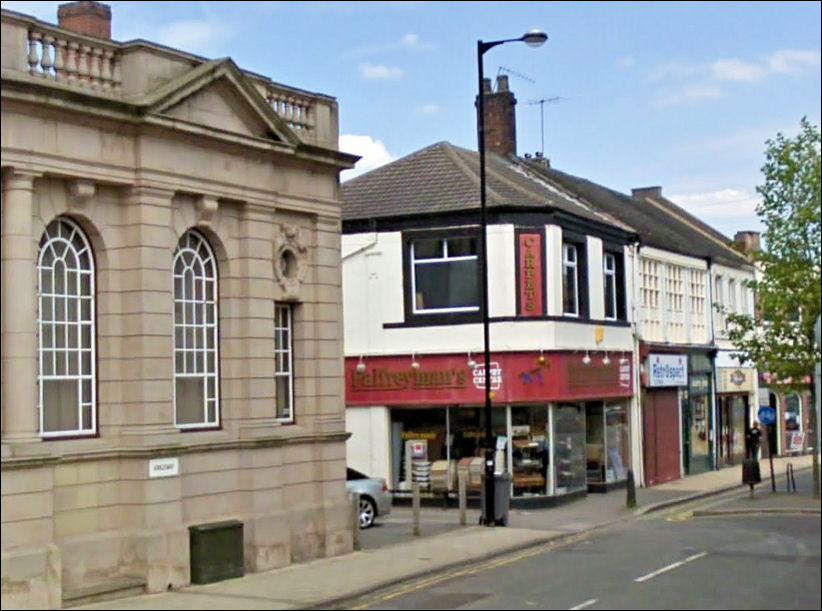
[{"x": 516, "y": 377}]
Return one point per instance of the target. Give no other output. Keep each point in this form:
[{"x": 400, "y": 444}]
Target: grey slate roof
[
  {"x": 659, "y": 222},
  {"x": 443, "y": 178}
]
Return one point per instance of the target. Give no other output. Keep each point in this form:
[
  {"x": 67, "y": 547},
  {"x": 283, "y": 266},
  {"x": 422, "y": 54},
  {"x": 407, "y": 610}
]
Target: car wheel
[{"x": 367, "y": 512}]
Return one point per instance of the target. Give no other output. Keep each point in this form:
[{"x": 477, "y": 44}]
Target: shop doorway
[
  {"x": 661, "y": 437},
  {"x": 734, "y": 420}
]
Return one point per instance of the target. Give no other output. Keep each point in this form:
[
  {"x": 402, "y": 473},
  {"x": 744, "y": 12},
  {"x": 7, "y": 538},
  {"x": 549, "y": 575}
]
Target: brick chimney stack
[
  {"x": 500, "y": 118},
  {"x": 641, "y": 192},
  {"x": 747, "y": 242},
  {"x": 90, "y": 18}
]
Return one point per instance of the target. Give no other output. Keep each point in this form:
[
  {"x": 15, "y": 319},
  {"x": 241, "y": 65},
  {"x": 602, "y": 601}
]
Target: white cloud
[
  {"x": 373, "y": 153},
  {"x": 742, "y": 141},
  {"x": 379, "y": 72},
  {"x": 788, "y": 61},
  {"x": 718, "y": 203},
  {"x": 196, "y": 36},
  {"x": 706, "y": 78},
  {"x": 726, "y": 210},
  {"x": 628, "y": 61},
  {"x": 408, "y": 42},
  {"x": 689, "y": 93},
  {"x": 736, "y": 70},
  {"x": 672, "y": 69},
  {"x": 427, "y": 109}
]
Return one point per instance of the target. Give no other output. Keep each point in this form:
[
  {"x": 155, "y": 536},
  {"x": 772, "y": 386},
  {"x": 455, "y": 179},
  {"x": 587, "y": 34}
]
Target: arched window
[
  {"x": 196, "y": 383},
  {"x": 793, "y": 413},
  {"x": 66, "y": 334}
]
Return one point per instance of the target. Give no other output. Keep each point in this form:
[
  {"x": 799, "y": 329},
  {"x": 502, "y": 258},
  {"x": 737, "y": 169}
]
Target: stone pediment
[{"x": 218, "y": 96}]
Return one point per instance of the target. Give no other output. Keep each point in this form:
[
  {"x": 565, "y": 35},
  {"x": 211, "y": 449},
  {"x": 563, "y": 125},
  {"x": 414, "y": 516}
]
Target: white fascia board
[{"x": 666, "y": 256}]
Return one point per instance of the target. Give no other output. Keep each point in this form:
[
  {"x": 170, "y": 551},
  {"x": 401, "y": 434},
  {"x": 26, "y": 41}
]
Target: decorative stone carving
[
  {"x": 81, "y": 192},
  {"x": 290, "y": 261},
  {"x": 206, "y": 209}
]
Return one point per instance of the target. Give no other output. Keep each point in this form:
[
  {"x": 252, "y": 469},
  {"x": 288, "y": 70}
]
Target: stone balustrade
[
  {"x": 80, "y": 61},
  {"x": 126, "y": 71},
  {"x": 297, "y": 110}
]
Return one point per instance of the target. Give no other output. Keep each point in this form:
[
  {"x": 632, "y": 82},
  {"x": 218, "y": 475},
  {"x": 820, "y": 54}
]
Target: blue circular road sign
[{"x": 766, "y": 414}]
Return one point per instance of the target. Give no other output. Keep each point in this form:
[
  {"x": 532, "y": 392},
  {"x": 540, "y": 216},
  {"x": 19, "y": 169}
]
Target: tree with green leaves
[{"x": 779, "y": 339}]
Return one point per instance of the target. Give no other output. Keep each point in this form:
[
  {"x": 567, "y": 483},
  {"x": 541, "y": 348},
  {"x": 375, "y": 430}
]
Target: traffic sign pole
[{"x": 767, "y": 416}]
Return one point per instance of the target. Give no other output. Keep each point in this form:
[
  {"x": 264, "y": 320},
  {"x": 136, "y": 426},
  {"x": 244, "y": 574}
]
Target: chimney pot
[{"x": 87, "y": 17}]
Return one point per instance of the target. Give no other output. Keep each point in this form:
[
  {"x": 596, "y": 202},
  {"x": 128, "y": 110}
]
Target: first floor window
[
  {"x": 570, "y": 280},
  {"x": 444, "y": 275},
  {"x": 196, "y": 392},
  {"x": 284, "y": 361},
  {"x": 610, "y": 285},
  {"x": 66, "y": 333}
]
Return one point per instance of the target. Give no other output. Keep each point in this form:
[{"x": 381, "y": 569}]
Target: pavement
[{"x": 390, "y": 553}]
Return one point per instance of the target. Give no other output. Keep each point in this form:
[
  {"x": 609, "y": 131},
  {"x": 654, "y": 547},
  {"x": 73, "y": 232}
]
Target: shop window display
[
  {"x": 431, "y": 446},
  {"x": 529, "y": 441},
  {"x": 617, "y": 442},
  {"x": 696, "y": 425},
  {"x": 607, "y": 442},
  {"x": 569, "y": 451}
]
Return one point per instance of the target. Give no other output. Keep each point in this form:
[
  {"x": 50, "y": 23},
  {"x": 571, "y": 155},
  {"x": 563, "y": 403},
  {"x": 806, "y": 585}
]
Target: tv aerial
[
  {"x": 542, "y": 102},
  {"x": 516, "y": 74}
]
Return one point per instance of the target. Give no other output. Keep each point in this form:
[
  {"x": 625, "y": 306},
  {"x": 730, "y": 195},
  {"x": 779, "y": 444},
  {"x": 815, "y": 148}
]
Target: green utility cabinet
[{"x": 216, "y": 551}]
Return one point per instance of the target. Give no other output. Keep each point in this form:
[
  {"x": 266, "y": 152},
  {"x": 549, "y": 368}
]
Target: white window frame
[
  {"x": 446, "y": 258},
  {"x": 719, "y": 303},
  {"x": 799, "y": 413},
  {"x": 77, "y": 359},
  {"x": 609, "y": 276},
  {"x": 284, "y": 355},
  {"x": 743, "y": 298},
  {"x": 570, "y": 265},
  {"x": 202, "y": 358}
]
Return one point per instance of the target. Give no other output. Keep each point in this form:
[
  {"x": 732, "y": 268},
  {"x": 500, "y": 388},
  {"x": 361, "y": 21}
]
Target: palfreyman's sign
[{"x": 446, "y": 379}]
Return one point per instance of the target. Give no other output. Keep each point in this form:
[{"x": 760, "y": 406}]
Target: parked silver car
[{"x": 375, "y": 499}]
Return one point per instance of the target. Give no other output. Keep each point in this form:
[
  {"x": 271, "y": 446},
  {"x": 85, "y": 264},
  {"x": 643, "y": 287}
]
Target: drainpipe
[
  {"x": 712, "y": 341},
  {"x": 637, "y": 424},
  {"x": 362, "y": 248}
]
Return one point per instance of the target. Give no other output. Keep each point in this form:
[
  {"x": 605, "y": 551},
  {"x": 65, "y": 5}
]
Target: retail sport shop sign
[
  {"x": 667, "y": 370},
  {"x": 515, "y": 377}
]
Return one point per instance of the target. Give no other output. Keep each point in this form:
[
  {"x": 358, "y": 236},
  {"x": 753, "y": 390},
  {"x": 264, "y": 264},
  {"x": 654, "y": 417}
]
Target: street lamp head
[{"x": 534, "y": 38}]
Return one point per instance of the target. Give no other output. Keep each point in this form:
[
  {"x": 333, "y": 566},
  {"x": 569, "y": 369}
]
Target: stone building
[{"x": 171, "y": 312}]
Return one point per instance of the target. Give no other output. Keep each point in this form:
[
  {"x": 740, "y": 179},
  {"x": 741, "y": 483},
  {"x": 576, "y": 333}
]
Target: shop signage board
[
  {"x": 666, "y": 370},
  {"x": 735, "y": 379},
  {"x": 515, "y": 377},
  {"x": 530, "y": 278},
  {"x": 795, "y": 441}
]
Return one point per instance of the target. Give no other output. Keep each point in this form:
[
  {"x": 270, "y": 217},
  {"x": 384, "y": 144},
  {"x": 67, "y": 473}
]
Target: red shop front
[{"x": 561, "y": 422}]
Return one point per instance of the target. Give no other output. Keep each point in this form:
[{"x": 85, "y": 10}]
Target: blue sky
[{"x": 677, "y": 94}]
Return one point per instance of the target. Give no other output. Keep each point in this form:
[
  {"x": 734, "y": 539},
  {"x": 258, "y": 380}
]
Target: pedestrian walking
[{"x": 752, "y": 440}]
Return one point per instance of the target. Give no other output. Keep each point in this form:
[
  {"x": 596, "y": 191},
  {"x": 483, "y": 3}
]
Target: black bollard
[{"x": 631, "y": 490}]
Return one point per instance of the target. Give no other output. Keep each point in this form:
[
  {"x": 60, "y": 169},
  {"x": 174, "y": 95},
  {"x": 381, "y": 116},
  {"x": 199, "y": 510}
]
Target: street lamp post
[{"x": 533, "y": 38}]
